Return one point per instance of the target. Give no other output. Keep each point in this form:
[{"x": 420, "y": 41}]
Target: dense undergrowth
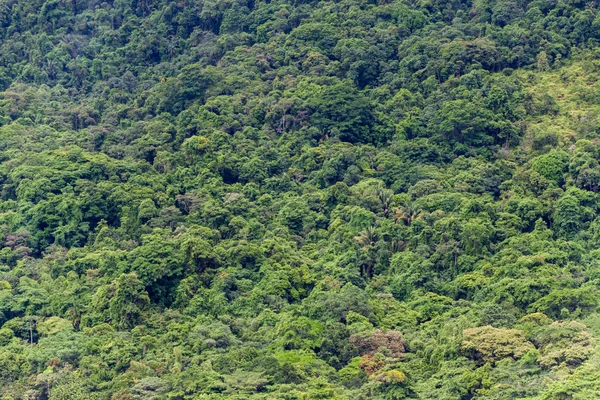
[{"x": 239, "y": 199}]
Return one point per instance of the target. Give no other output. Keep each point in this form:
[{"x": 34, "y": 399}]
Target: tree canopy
[{"x": 299, "y": 199}]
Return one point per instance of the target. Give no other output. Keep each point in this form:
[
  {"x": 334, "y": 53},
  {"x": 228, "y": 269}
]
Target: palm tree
[
  {"x": 51, "y": 68},
  {"x": 385, "y": 197},
  {"x": 171, "y": 46},
  {"x": 367, "y": 240},
  {"x": 407, "y": 213}
]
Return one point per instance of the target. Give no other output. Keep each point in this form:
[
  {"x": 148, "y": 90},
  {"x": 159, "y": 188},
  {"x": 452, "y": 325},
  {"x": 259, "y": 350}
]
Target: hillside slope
[{"x": 230, "y": 199}]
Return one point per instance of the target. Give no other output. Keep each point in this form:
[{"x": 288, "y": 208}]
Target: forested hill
[{"x": 296, "y": 199}]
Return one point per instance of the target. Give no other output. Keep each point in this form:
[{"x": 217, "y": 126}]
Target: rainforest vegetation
[{"x": 299, "y": 199}]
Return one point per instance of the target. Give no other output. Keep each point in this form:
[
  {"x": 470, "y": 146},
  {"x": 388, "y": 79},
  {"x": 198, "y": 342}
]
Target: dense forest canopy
[{"x": 299, "y": 199}]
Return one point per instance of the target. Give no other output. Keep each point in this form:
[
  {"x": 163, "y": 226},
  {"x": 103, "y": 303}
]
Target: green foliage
[
  {"x": 552, "y": 166},
  {"x": 492, "y": 344},
  {"x": 299, "y": 199}
]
